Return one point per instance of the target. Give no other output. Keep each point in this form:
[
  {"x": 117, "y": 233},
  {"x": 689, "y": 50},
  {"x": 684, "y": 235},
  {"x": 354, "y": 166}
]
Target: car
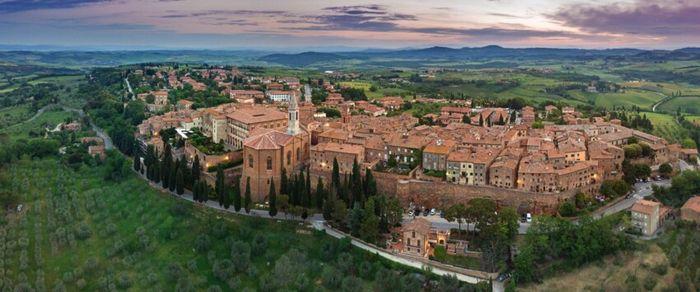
[
  {"x": 442, "y": 214},
  {"x": 426, "y": 213},
  {"x": 528, "y": 217},
  {"x": 502, "y": 277},
  {"x": 410, "y": 213},
  {"x": 432, "y": 212},
  {"x": 523, "y": 219}
]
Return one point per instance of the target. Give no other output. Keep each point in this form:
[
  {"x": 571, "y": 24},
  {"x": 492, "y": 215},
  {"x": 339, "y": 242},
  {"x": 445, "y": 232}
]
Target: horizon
[{"x": 349, "y": 24}]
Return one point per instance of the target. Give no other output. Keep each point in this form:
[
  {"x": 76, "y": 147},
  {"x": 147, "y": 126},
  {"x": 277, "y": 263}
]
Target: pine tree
[
  {"x": 165, "y": 165},
  {"x": 247, "y": 200},
  {"x": 284, "y": 183},
  {"x": 304, "y": 198},
  {"x": 226, "y": 198},
  {"x": 307, "y": 186},
  {"x": 180, "y": 182},
  {"x": 320, "y": 194},
  {"x": 156, "y": 172},
  {"x": 237, "y": 194},
  {"x": 272, "y": 197},
  {"x": 328, "y": 209},
  {"x": 195, "y": 191},
  {"x": 220, "y": 185},
  {"x": 196, "y": 169}
]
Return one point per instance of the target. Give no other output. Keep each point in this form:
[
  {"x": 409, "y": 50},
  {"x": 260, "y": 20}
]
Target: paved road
[
  {"x": 658, "y": 103},
  {"x": 640, "y": 191},
  {"x": 98, "y": 131},
  {"x": 442, "y": 223},
  {"x": 128, "y": 87}
]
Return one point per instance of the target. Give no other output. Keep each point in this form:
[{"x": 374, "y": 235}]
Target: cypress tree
[
  {"x": 171, "y": 177},
  {"x": 308, "y": 188},
  {"x": 356, "y": 183},
  {"x": 320, "y": 194},
  {"x": 137, "y": 163},
  {"x": 247, "y": 200},
  {"x": 237, "y": 194},
  {"x": 196, "y": 169},
  {"x": 220, "y": 186},
  {"x": 156, "y": 172},
  {"x": 272, "y": 197},
  {"x": 302, "y": 190},
  {"x": 166, "y": 163},
  {"x": 180, "y": 182},
  {"x": 227, "y": 197},
  {"x": 284, "y": 182},
  {"x": 195, "y": 191},
  {"x": 335, "y": 176},
  {"x": 370, "y": 183}
]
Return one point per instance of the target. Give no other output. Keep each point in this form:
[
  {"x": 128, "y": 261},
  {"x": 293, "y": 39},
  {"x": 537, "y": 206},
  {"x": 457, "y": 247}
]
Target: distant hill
[
  {"x": 482, "y": 54},
  {"x": 302, "y": 59}
]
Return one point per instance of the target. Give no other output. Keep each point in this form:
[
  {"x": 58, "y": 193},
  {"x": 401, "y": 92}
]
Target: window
[
  {"x": 414, "y": 234},
  {"x": 289, "y": 157},
  {"x": 269, "y": 163},
  {"x": 298, "y": 154},
  {"x": 250, "y": 161}
]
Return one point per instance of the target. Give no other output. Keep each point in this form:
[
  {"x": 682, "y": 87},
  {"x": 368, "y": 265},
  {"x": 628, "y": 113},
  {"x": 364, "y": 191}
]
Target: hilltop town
[{"x": 275, "y": 126}]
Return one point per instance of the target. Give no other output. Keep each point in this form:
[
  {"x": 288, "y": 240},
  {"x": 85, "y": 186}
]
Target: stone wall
[{"x": 442, "y": 194}]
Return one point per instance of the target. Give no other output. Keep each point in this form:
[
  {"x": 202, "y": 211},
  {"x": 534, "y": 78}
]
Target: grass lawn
[
  {"x": 81, "y": 232},
  {"x": 687, "y": 104}
]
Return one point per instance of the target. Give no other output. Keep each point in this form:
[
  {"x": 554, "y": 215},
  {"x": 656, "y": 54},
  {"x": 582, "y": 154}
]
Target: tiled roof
[{"x": 645, "y": 207}]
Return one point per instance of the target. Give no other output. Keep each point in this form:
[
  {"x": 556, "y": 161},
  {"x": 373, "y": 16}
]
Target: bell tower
[{"x": 293, "y": 118}]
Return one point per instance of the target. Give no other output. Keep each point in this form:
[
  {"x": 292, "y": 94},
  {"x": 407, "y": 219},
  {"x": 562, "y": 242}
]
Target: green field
[
  {"x": 13, "y": 115},
  {"x": 687, "y": 104},
  {"x": 665, "y": 126},
  {"x": 34, "y": 128},
  {"x": 80, "y": 232},
  {"x": 630, "y": 97}
]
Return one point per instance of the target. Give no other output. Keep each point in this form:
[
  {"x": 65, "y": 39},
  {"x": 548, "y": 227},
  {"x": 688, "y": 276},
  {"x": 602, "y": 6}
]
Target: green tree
[
  {"x": 247, "y": 200},
  {"x": 369, "y": 228},
  {"x": 320, "y": 194},
  {"x": 196, "y": 169},
  {"x": 340, "y": 211},
  {"x": 665, "y": 169},
  {"x": 180, "y": 182},
  {"x": 355, "y": 220},
  {"x": 219, "y": 187},
  {"x": 370, "y": 183},
  {"x": 284, "y": 181},
  {"x": 236, "y": 194},
  {"x": 272, "y": 197},
  {"x": 137, "y": 163},
  {"x": 335, "y": 177},
  {"x": 456, "y": 213},
  {"x": 356, "y": 184}
]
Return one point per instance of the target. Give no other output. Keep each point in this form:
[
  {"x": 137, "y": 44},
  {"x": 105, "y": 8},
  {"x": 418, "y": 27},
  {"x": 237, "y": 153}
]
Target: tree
[
  {"x": 172, "y": 184},
  {"x": 335, "y": 176},
  {"x": 320, "y": 194},
  {"x": 272, "y": 197},
  {"x": 356, "y": 184},
  {"x": 236, "y": 194},
  {"x": 391, "y": 162},
  {"x": 180, "y": 182},
  {"x": 137, "y": 163},
  {"x": 284, "y": 182},
  {"x": 247, "y": 201},
  {"x": 196, "y": 169},
  {"x": 355, "y": 220},
  {"x": 340, "y": 211},
  {"x": 369, "y": 228},
  {"x": 370, "y": 183},
  {"x": 219, "y": 187},
  {"x": 665, "y": 169},
  {"x": 456, "y": 213}
]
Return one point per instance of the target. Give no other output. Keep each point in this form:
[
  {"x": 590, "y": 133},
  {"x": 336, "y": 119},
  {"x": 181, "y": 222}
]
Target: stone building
[
  {"x": 691, "y": 210},
  {"x": 435, "y": 154},
  {"x": 323, "y": 154},
  {"x": 244, "y": 121},
  {"x": 268, "y": 150},
  {"x": 415, "y": 237}
]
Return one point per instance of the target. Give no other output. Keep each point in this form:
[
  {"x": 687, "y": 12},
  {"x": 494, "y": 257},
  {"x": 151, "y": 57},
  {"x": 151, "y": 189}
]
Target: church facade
[{"x": 268, "y": 151}]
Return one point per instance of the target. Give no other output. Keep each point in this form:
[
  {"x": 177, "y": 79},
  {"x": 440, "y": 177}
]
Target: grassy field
[
  {"x": 48, "y": 119},
  {"x": 80, "y": 232},
  {"x": 631, "y": 97},
  {"x": 13, "y": 115},
  {"x": 59, "y": 80},
  {"x": 687, "y": 104},
  {"x": 665, "y": 126}
]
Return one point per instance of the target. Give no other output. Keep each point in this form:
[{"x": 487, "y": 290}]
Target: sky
[{"x": 350, "y": 24}]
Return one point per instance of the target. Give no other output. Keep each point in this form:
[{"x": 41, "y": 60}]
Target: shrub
[
  {"x": 202, "y": 243},
  {"x": 649, "y": 283},
  {"x": 660, "y": 269},
  {"x": 223, "y": 269}
]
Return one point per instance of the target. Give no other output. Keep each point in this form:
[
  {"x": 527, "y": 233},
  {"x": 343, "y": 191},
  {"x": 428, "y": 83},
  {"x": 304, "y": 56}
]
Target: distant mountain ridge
[{"x": 483, "y": 53}]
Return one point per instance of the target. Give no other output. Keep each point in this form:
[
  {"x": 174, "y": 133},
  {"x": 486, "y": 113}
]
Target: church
[{"x": 267, "y": 151}]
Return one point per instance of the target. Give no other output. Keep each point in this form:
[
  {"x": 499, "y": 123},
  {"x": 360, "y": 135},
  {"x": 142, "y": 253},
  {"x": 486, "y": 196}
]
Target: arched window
[
  {"x": 289, "y": 157},
  {"x": 250, "y": 160},
  {"x": 269, "y": 163},
  {"x": 298, "y": 154}
]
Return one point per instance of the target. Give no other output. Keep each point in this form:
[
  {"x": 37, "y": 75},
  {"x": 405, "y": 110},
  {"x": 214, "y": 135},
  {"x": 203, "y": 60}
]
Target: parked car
[
  {"x": 432, "y": 212},
  {"x": 426, "y": 212},
  {"x": 528, "y": 217}
]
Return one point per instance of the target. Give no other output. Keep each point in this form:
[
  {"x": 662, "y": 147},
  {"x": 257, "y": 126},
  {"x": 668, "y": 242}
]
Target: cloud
[
  {"x": 356, "y": 17},
  {"x": 652, "y": 18},
  {"x": 12, "y": 6},
  {"x": 181, "y": 14}
]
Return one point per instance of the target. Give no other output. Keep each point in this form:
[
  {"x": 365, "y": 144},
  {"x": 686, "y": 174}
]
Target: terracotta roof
[
  {"x": 339, "y": 148},
  {"x": 443, "y": 148},
  {"x": 692, "y": 204},
  {"x": 257, "y": 115},
  {"x": 337, "y": 134},
  {"x": 268, "y": 139},
  {"x": 645, "y": 206},
  {"x": 420, "y": 225}
]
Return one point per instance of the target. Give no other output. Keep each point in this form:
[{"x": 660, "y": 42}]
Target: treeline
[
  {"x": 634, "y": 121},
  {"x": 556, "y": 244}
]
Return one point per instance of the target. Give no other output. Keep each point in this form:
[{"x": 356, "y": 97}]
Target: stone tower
[{"x": 293, "y": 119}]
